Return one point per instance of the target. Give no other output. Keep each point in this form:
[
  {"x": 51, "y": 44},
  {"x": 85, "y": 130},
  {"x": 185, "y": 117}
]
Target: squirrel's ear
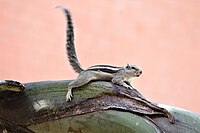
[{"x": 128, "y": 66}]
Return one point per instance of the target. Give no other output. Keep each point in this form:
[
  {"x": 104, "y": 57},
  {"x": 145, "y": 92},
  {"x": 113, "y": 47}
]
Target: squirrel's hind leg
[{"x": 83, "y": 78}]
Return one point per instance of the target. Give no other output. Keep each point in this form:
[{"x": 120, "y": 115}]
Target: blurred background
[{"x": 160, "y": 36}]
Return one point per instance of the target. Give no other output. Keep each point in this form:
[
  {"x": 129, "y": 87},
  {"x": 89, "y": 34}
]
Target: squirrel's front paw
[{"x": 128, "y": 86}]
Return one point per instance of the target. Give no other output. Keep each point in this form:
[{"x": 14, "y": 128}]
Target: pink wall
[{"x": 160, "y": 36}]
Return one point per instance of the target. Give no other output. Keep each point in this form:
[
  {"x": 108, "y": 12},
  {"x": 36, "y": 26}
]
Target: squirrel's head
[{"x": 133, "y": 70}]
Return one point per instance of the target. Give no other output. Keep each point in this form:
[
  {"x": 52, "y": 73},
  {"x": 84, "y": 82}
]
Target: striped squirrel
[{"x": 117, "y": 75}]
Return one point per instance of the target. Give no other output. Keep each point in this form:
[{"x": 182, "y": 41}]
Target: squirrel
[{"x": 117, "y": 75}]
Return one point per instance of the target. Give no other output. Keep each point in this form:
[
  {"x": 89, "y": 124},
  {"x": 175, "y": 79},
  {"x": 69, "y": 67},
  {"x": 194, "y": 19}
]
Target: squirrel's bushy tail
[{"x": 70, "y": 47}]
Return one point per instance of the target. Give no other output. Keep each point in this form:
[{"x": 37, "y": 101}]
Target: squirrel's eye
[{"x": 133, "y": 67}]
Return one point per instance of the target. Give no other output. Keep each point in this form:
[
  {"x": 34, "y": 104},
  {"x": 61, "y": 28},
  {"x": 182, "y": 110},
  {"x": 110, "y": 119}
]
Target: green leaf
[{"x": 41, "y": 107}]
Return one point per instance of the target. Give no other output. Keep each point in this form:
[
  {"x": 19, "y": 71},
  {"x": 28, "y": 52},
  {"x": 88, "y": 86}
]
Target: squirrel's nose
[{"x": 139, "y": 72}]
